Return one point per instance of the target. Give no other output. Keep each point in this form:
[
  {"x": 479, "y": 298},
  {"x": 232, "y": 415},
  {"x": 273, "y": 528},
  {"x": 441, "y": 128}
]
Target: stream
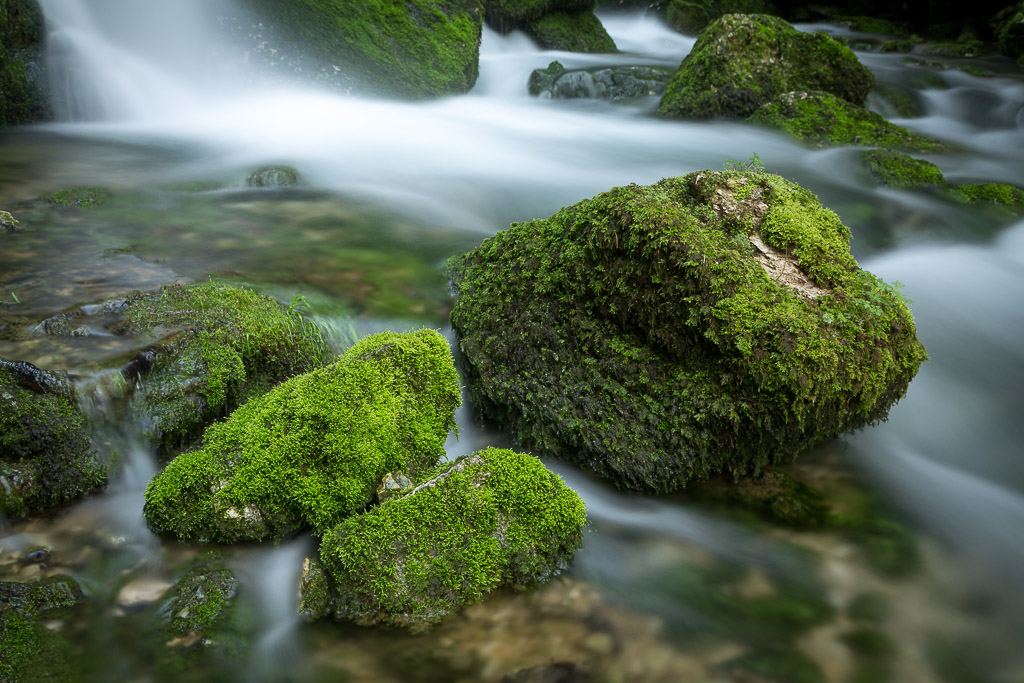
[{"x": 389, "y": 191}]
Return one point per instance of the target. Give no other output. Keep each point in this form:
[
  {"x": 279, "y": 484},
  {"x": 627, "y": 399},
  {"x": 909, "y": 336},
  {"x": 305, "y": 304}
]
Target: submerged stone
[
  {"x": 825, "y": 120},
  {"x": 46, "y": 457},
  {"x": 494, "y": 518},
  {"x": 8, "y": 222},
  {"x": 312, "y": 450},
  {"x": 22, "y": 37},
  {"x": 742, "y": 61},
  {"x": 713, "y": 323}
]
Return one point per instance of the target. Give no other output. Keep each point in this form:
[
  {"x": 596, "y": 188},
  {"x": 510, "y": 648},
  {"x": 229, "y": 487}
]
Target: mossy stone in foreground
[
  {"x": 742, "y": 61},
  {"x": 576, "y": 32},
  {"x": 825, "y": 120},
  {"x": 312, "y": 451},
  {"x": 494, "y": 518},
  {"x": 46, "y": 457},
  {"x": 219, "y": 345},
  {"x": 899, "y": 170},
  {"x": 713, "y": 323}
]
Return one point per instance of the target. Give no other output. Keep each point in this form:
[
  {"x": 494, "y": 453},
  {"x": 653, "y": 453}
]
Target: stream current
[{"x": 389, "y": 191}]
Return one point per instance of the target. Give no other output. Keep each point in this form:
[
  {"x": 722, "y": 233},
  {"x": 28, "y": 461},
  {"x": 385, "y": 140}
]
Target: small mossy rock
[
  {"x": 902, "y": 171},
  {"x": 505, "y": 16},
  {"x": 22, "y": 31},
  {"x": 415, "y": 49},
  {"x": 825, "y": 120},
  {"x": 219, "y": 346},
  {"x": 776, "y": 496},
  {"x": 1003, "y": 195},
  {"x": 312, "y": 451},
  {"x": 743, "y": 61},
  {"x": 8, "y": 222},
  {"x": 903, "y": 45},
  {"x": 77, "y": 196},
  {"x": 46, "y": 457},
  {"x": 273, "y": 176},
  {"x": 692, "y": 16},
  {"x": 200, "y": 600},
  {"x": 712, "y": 323},
  {"x": 494, "y": 518},
  {"x": 613, "y": 83},
  {"x": 49, "y": 594},
  {"x": 576, "y": 32},
  {"x": 1011, "y": 34}
]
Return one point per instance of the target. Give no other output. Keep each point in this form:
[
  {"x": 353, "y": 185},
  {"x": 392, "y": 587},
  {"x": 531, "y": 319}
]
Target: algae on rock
[
  {"x": 494, "y": 518},
  {"x": 713, "y": 323},
  {"x": 311, "y": 451},
  {"x": 742, "y": 61}
]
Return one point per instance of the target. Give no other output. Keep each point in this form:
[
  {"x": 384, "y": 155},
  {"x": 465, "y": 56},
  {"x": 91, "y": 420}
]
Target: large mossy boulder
[
  {"x": 494, "y": 518},
  {"x": 46, "y": 457},
  {"x": 712, "y": 323},
  {"x": 22, "y": 31},
  {"x": 219, "y": 345},
  {"x": 311, "y": 451},
  {"x": 742, "y": 61},
  {"x": 824, "y": 120},
  {"x": 416, "y": 49}
]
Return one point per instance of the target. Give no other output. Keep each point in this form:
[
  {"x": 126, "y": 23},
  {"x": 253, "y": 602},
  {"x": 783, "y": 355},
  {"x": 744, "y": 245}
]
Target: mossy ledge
[
  {"x": 311, "y": 451},
  {"x": 494, "y": 518},
  {"x": 712, "y": 323}
]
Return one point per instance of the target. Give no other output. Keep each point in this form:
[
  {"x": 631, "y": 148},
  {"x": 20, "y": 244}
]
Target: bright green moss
[
  {"x": 45, "y": 453},
  {"x": 219, "y": 346},
  {"x": 312, "y": 451},
  {"x": 1003, "y": 195},
  {"x": 418, "y": 48},
  {"x": 577, "y": 32},
  {"x": 494, "y": 518},
  {"x": 639, "y": 334},
  {"x": 742, "y": 61},
  {"x": 895, "y": 169},
  {"x": 824, "y": 120},
  {"x": 1011, "y": 34}
]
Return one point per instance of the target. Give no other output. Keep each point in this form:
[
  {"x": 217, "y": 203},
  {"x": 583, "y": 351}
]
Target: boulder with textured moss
[
  {"x": 46, "y": 457},
  {"x": 824, "y": 120},
  {"x": 712, "y": 323},
  {"x": 575, "y": 32},
  {"x": 28, "y": 650},
  {"x": 612, "y": 83},
  {"x": 218, "y": 345},
  {"x": 417, "y": 49},
  {"x": 22, "y": 30},
  {"x": 896, "y": 169},
  {"x": 312, "y": 451},
  {"x": 742, "y": 61},
  {"x": 494, "y": 518}
]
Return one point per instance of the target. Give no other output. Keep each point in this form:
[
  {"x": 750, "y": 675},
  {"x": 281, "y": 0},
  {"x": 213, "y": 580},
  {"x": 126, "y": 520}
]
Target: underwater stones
[
  {"x": 742, "y": 61},
  {"x": 712, "y": 323},
  {"x": 46, "y": 457},
  {"x": 273, "y": 176},
  {"x": 218, "y": 345},
  {"x": 312, "y": 450},
  {"x": 494, "y": 518},
  {"x": 392, "y": 485},
  {"x": 415, "y": 49},
  {"x": 901, "y": 171},
  {"x": 612, "y": 83},
  {"x": 824, "y": 120}
]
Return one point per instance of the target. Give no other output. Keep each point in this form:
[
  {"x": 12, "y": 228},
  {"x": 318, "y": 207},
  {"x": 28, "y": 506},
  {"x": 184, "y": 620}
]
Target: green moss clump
[
  {"x": 219, "y": 346},
  {"x": 312, "y": 451},
  {"x": 201, "y": 598},
  {"x": 1003, "y": 195},
  {"x": 46, "y": 457},
  {"x": 577, "y": 32},
  {"x": 647, "y": 335},
  {"x": 418, "y": 48},
  {"x": 777, "y": 666},
  {"x": 896, "y": 169},
  {"x": 505, "y": 16},
  {"x": 21, "y": 40},
  {"x": 78, "y": 196},
  {"x": 491, "y": 519},
  {"x": 824, "y": 120},
  {"x": 742, "y": 61}
]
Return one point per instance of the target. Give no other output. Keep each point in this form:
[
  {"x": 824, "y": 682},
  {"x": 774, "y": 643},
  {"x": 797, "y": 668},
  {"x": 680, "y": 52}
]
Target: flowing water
[{"x": 161, "y": 109}]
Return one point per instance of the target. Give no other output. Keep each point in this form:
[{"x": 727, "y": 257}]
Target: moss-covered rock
[
  {"x": 825, "y": 120},
  {"x": 21, "y": 40},
  {"x": 45, "y": 453},
  {"x": 742, "y": 61},
  {"x": 9, "y": 223},
  {"x": 419, "y": 48},
  {"x": 77, "y": 196},
  {"x": 1003, "y": 195},
  {"x": 1011, "y": 33},
  {"x": 575, "y": 32},
  {"x": 219, "y": 346},
  {"x": 505, "y": 16},
  {"x": 775, "y": 496},
  {"x": 775, "y": 665},
  {"x": 613, "y": 83},
  {"x": 494, "y": 518},
  {"x": 273, "y": 176},
  {"x": 29, "y": 651},
  {"x": 896, "y": 169},
  {"x": 713, "y": 323},
  {"x": 312, "y": 451},
  {"x": 692, "y": 16}
]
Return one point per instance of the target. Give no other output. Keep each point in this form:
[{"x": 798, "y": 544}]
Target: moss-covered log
[{"x": 713, "y": 323}]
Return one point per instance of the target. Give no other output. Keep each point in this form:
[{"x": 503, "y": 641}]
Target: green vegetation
[
  {"x": 577, "y": 32},
  {"x": 692, "y": 16},
  {"x": 1003, "y": 195},
  {"x": 777, "y": 666},
  {"x": 216, "y": 346},
  {"x": 311, "y": 451},
  {"x": 30, "y": 652},
  {"x": 507, "y": 15},
  {"x": 45, "y": 453},
  {"x": 741, "y": 62},
  {"x": 824, "y": 120},
  {"x": 78, "y": 196},
  {"x": 653, "y": 335},
  {"x": 494, "y": 518},
  {"x": 21, "y": 41},
  {"x": 273, "y": 176},
  {"x": 895, "y": 169},
  {"x": 419, "y": 48}
]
